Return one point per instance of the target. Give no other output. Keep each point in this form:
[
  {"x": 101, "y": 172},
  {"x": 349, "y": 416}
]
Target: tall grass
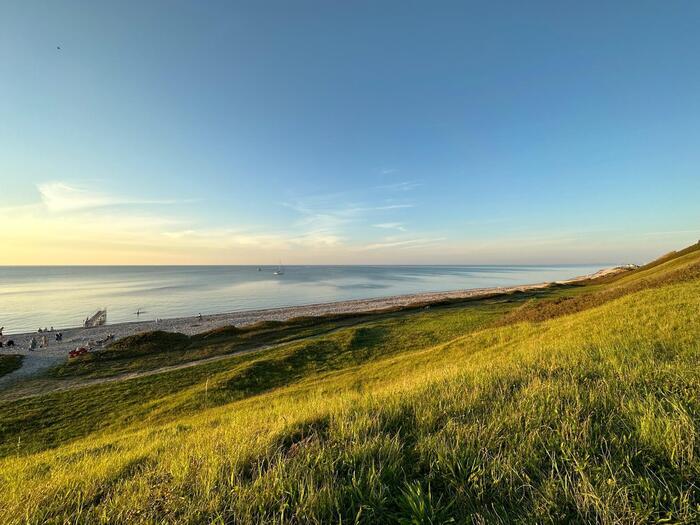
[
  {"x": 9, "y": 363},
  {"x": 49, "y": 420},
  {"x": 591, "y": 417}
]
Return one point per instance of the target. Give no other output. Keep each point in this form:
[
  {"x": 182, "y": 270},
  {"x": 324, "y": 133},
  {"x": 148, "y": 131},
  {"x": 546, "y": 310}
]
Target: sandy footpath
[{"x": 42, "y": 358}]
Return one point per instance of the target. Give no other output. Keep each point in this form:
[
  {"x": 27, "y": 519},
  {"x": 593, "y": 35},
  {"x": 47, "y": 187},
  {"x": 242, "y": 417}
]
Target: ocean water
[{"x": 62, "y": 296}]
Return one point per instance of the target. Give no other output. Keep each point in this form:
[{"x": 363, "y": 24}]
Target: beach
[
  {"x": 39, "y": 297},
  {"x": 42, "y": 358}
]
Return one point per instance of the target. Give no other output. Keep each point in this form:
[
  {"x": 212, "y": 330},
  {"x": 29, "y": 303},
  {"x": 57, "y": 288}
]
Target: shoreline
[{"x": 42, "y": 358}]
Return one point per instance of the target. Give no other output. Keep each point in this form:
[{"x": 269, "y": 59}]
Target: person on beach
[
  {"x": 1, "y": 329},
  {"x": 200, "y": 316},
  {"x": 32, "y": 343},
  {"x": 59, "y": 336},
  {"x": 44, "y": 342}
]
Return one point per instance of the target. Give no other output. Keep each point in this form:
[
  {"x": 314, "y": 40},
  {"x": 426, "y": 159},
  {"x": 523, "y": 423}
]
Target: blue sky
[{"x": 353, "y": 132}]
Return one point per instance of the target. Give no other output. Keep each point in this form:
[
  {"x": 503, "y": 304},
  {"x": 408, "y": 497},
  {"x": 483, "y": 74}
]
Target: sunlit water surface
[{"x": 34, "y": 297}]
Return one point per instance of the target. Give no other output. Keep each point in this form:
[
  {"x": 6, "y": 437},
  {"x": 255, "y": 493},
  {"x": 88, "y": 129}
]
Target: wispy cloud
[
  {"x": 327, "y": 217},
  {"x": 400, "y": 186},
  {"x": 391, "y": 226},
  {"x": 317, "y": 239},
  {"x": 671, "y": 233},
  {"x": 405, "y": 243},
  {"x": 332, "y": 221},
  {"x": 392, "y": 207},
  {"x": 61, "y": 196},
  {"x": 224, "y": 237},
  {"x": 232, "y": 238}
]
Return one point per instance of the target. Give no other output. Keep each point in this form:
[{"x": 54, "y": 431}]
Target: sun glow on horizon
[{"x": 72, "y": 225}]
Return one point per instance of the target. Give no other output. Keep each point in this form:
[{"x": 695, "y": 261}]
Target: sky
[{"x": 323, "y": 132}]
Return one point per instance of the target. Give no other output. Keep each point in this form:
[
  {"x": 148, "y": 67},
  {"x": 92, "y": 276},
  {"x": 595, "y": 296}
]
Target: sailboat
[{"x": 280, "y": 269}]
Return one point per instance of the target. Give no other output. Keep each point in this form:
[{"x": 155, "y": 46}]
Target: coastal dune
[{"x": 37, "y": 360}]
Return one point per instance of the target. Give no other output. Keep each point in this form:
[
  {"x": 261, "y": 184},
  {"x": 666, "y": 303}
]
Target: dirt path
[
  {"x": 72, "y": 384},
  {"x": 52, "y": 385},
  {"x": 32, "y": 364}
]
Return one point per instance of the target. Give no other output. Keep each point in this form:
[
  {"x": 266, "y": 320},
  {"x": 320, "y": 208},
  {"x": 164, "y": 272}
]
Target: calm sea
[{"x": 34, "y": 297}]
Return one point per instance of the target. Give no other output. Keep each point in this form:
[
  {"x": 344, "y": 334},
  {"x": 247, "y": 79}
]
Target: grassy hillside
[
  {"x": 510, "y": 410},
  {"x": 9, "y": 363}
]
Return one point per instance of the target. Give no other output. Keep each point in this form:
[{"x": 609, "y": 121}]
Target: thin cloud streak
[
  {"x": 60, "y": 196},
  {"x": 671, "y": 233},
  {"x": 391, "y": 226},
  {"x": 407, "y": 243},
  {"x": 400, "y": 186},
  {"x": 326, "y": 222}
]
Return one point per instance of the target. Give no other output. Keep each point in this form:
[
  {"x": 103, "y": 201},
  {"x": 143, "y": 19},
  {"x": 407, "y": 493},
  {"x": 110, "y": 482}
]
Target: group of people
[
  {"x": 42, "y": 342},
  {"x": 9, "y": 343}
]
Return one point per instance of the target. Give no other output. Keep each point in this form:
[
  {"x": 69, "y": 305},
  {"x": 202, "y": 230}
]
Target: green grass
[
  {"x": 9, "y": 363},
  {"x": 159, "y": 349},
  {"x": 566, "y": 300},
  {"x": 463, "y": 413},
  {"x": 49, "y": 420}
]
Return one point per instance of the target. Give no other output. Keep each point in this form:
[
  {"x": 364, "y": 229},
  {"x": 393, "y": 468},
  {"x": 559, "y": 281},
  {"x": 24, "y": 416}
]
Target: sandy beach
[{"x": 42, "y": 358}]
